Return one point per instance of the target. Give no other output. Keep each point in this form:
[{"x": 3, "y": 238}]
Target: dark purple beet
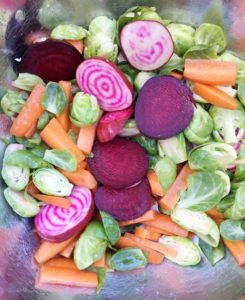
[
  {"x": 124, "y": 204},
  {"x": 164, "y": 107},
  {"x": 119, "y": 163},
  {"x": 51, "y": 60}
]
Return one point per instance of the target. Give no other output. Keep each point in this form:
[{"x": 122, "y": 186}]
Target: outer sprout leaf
[
  {"x": 233, "y": 230},
  {"x": 111, "y": 227},
  {"x": 226, "y": 202},
  {"x": 44, "y": 120},
  {"x": 149, "y": 144},
  {"x": 101, "y": 273},
  {"x": 62, "y": 159},
  {"x": 213, "y": 254},
  {"x": 12, "y": 102},
  {"x": 166, "y": 171},
  {"x": 201, "y": 52},
  {"x": 27, "y": 81}
]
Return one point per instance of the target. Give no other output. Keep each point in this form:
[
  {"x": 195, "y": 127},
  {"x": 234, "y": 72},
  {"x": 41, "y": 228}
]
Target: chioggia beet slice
[
  {"x": 105, "y": 81},
  {"x": 124, "y": 204},
  {"x": 119, "y": 163},
  {"x": 147, "y": 45},
  {"x": 58, "y": 224},
  {"x": 164, "y": 107}
]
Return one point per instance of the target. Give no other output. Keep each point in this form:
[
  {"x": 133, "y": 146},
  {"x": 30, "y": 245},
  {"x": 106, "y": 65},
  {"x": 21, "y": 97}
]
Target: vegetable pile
[{"x": 124, "y": 141}]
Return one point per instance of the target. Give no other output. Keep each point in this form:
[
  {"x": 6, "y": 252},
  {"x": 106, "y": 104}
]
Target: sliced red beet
[
  {"x": 119, "y": 163},
  {"x": 147, "y": 45},
  {"x": 105, "y": 81},
  {"x": 112, "y": 123},
  {"x": 51, "y": 60},
  {"x": 124, "y": 204},
  {"x": 164, "y": 107}
]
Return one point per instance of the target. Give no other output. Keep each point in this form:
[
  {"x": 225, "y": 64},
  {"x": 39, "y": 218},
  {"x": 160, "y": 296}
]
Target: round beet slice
[
  {"x": 51, "y": 60},
  {"x": 124, "y": 204},
  {"x": 119, "y": 163},
  {"x": 164, "y": 107}
]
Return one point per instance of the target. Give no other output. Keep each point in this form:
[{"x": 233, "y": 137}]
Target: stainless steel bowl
[{"x": 225, "y": 281}]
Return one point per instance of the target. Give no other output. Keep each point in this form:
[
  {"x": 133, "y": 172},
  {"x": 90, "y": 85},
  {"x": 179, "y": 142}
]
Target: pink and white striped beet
[
  {"x": 56, "y": 224},
  {"x": 105, "y": 81},
  {"x": 147, "y": 45}
]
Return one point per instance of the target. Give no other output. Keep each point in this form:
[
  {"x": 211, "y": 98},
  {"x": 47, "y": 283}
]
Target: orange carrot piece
[
  {"x": 158, "y": 230},
  {"x": 237, "y": 250},
  {"x": 100, "y": 263},
  {"x": 55, "y": 137},
  {"x": 164, "y": 222},
  {"x": 76, "y": 44},
  {"x": 147, "y": 216},
  {"x": 54, "y": 200},
  {"x": 67, "y": 252},
  {"x": 211, "y": 72},
  {"x": 190, "y": 235},
  {"x": 156, "y": 187},
  {"x": 214, "y": 213},
  {"x": 153, "y": 256},
  {"x": 86, "y": 138},
  {"x": 30, "y": 112},
  {"x": 64, "y": 118},
  {"x": 215, "y": 96},
  {"x": 30, "y": 131},
  {"x": 171, "y": 198},
  {"x": 81, "y": 178},
  {"x": 48, "y": 250},
  {"x": 65, "y": 276},
  {"x": 147, "y": 234},
  {"x": 61, "y": 262},
  {"x": 32, "y": 189},
  {"x": 152, "y": 245},
  {"x": 177, "y": 75}
]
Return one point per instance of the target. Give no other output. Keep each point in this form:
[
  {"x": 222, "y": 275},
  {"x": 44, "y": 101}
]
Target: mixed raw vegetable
[{"x": 125, "y": 139}]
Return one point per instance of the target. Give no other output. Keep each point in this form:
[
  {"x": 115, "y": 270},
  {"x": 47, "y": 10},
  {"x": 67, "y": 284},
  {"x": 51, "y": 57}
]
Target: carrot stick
[
  {"x": 164, "y": 222},
  {"x": 211, "y": 72},
  {"x": 158, "y": 230},
  {"x": 156, "y": 187},
  {"x": 53, "y": 200},
  {"x": 100, "y": 263},
  {"x": 215, "y": 96},
  {"x": 64, "y": 118},
  {"x": 153, "y": 256},
  {"x": 30, "y": 112},
  {"x": 214, "y": 213},
  {"x": 81, "y": 178},
  {"x": 61, "y": 262},
  {"x": 147, "y": 216},
  {"x": 48, "y": 250},
  {"x": 76, "y": 44},
  {"x": 65, "y": 276},
  {"x": 147, "y": 234},
  {"x": 30, "y": 131},
  {"x": 86, "y": 138},
  {"x": 237, "y": 250},
  {"x": 171, "y": 198},
  {"x": 67, "y": 252},
  {"x": 177, "y": 75},
  {"x": 56, "y": 137},
  {"x": 32, "y": 189},
  {"x": 152, "y": 245}
]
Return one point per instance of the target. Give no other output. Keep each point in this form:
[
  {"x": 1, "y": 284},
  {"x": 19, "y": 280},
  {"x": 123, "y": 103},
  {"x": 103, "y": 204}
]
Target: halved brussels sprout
[
  {"x": 69, "y": 32},
  {"x": 201, "y": 52},
  {"x": 141, "y": 79},
  {"x": 212, "y": 238},
  {"x": 233, "y": 230},
  {"x": 62, "y": 159},
  {"x": 105, "y": 25},
  {"x": 226, "y": 202},
  {"x": 149, "y": 144},
  {"x": 166, "y": 171},
  {"x": 188, "y": 254},
  {"x": 51, "y": 182},
  {"x": 27, "y": 81},
  {"x": 12, "y": 102},
  {"x": 85, "y": 110},
  {"x": 44, "y": 120},
  {"x": 201, "y": 126},
  {"x": 229, "y": 125},
  {"x": 213, "y": 254},
  {"x": 237, "y": 210}
]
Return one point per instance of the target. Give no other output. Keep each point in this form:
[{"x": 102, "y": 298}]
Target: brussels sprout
[
  {"x": 205, "y": 190},
  {"x": 44, "y": 120},
  {"x": 128, "y": 259},
  {"x": 85, "y": 110},
  {"x": 54, "y": 99},
  {"x": 201, "y": 52},
  {"x": 51, "y": 182},
  {"x": 200, "y": 128},
  {"x": 233, "y": 230},
  {"x": 69, "y": 32},
  {"x": 62, "y": 159},
  {"x": 130, "y": 129},
  {"x": 111, "y": 227},
  {"x": 230, "y": 57},
  {"x": 212, "y": 156},
  {"x": 213, "y": 254},
  {"x": 226, "y": 202},
  {"x": 240, "y": 169},
  {"x": 174, "y": 147},
  {"x": 183, "y": 37},
  {"x": 212, "y": 238},
  {"x": 100, "y": 45},
  {"x": 105, "y": 25},
  {"x": 229, "y": 125},
  {"x": 153, "y": 159},
  {"x": 39, "y": 150},
  {"x": 149, "y": 144},
  {"x": 226, "y": 181},
  {"x": 166, "y": 171},
  {"x": 27, "y": 81},
  {"x": 129, "y": 71},
  {"x": 34, "y": 141},
  {"x": 237, "y": 210},
  {"x": 241, "y": 90},
  {"x": 175, "y": 63},
  {"x": 23, "y": 207},
  {"x": 188, "y": 254},
  {"x": 12, "y": 102},
  {"x": 91, "y": 245},
  {"x": 141, "y": 79},
  {"x": 210, "y": 34}
]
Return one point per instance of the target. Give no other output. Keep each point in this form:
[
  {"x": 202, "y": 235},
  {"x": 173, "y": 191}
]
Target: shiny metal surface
[{"x": 226, "y": 281}]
